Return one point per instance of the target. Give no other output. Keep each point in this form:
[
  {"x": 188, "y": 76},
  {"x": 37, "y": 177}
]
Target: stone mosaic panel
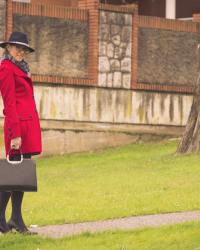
[{"x": 115, "y": 34}]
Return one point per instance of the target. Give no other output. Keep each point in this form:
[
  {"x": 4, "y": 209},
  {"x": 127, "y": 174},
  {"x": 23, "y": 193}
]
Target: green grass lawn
[
  {"x": 132, "y": 180},
  {"x": 178, "y": 237}
]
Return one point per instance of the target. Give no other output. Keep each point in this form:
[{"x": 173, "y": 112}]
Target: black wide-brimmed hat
[{"x": 17, "y": 38}]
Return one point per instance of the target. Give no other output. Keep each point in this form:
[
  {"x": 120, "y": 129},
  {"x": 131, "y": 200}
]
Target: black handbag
[{"x": 18, "y": 175}]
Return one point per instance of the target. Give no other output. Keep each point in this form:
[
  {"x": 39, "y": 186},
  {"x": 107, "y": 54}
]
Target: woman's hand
[{"x": 16, "y": 143}]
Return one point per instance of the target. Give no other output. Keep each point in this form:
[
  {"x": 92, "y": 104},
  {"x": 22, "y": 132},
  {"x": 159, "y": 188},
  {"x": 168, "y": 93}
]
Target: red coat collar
[{"x": 17, "y": 71}]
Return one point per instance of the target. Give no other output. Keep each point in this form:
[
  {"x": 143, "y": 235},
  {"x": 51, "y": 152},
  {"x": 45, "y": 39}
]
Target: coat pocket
[{"x": 25, "y": 117}]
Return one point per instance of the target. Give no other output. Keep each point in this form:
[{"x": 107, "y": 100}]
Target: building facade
[{"x": 173, "y": 9}]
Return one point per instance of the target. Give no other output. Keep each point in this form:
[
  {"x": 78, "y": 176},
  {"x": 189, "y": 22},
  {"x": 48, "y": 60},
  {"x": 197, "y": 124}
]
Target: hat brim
[{"x": 3, "y": 45}]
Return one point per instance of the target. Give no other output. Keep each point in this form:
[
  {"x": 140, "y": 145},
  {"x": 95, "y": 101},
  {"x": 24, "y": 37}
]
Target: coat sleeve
[{"x": 7, "y": 88}]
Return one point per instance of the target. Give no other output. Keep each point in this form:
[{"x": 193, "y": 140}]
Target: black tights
[{"x": 16, "y": 198}]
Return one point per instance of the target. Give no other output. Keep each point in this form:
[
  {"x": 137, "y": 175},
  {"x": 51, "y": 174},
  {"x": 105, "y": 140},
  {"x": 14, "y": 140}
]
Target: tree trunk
[{"x": 190, "y": 142}]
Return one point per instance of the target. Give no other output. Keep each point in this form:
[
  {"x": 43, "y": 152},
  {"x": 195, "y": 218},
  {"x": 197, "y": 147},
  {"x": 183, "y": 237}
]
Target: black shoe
[
  {"x": 19, "y": 228},
  {"x": 4, "y": 227}
]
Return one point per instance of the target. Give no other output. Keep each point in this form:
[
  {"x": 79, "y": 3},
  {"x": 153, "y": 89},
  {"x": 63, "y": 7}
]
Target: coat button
[
  {"x": 30, "y": 116},
  {"x": 9, "y": 129}
]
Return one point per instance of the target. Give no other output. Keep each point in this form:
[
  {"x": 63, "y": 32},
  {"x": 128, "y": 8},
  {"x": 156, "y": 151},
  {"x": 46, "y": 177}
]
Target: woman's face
[{"x": 17, "y": 51}]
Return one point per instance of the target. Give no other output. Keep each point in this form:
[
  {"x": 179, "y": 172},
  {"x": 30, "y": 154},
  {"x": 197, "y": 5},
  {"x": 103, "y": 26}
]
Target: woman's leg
[
  {"x": 4, "y": 198},
  {"x": 16, "y": 217},
  {"x": 16, "y": 220}
]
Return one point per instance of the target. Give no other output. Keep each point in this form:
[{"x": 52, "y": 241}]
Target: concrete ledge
[
  {"x": 60, "y": 137},
  {"x": 112, "y": 127}
]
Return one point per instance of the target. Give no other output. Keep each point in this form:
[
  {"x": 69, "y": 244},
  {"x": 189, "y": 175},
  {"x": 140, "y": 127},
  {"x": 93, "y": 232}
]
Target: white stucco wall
[{"x": 111, "y": 105}]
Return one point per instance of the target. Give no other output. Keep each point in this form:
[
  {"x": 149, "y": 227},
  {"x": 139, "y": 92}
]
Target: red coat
[{"x": 21, "y": 116}]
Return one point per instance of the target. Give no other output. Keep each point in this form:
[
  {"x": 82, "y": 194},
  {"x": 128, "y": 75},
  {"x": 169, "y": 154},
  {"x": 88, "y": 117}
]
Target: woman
[{"x": 22, "y": 134}]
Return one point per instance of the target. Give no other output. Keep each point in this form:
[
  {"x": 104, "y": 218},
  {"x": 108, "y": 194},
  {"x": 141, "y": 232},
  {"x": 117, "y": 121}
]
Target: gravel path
[{"x": 57, "y": 231}]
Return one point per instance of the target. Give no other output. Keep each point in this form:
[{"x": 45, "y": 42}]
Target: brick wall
[
  {"x": 2, "y": 19},
  {"x": 80, "y": 31},
  {"x": 196, "y": 17},
  {"x": 171, "y": 76},
  {"x": 66, "y": 3},
  {"x": 92, "y": 7}
]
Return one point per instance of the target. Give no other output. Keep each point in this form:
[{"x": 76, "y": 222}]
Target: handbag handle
[{"x": 14, "y": 162}]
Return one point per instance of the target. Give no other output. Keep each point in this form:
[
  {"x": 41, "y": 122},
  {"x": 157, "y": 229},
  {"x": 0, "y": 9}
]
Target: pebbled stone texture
[{"x": 115, "y": 34}]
